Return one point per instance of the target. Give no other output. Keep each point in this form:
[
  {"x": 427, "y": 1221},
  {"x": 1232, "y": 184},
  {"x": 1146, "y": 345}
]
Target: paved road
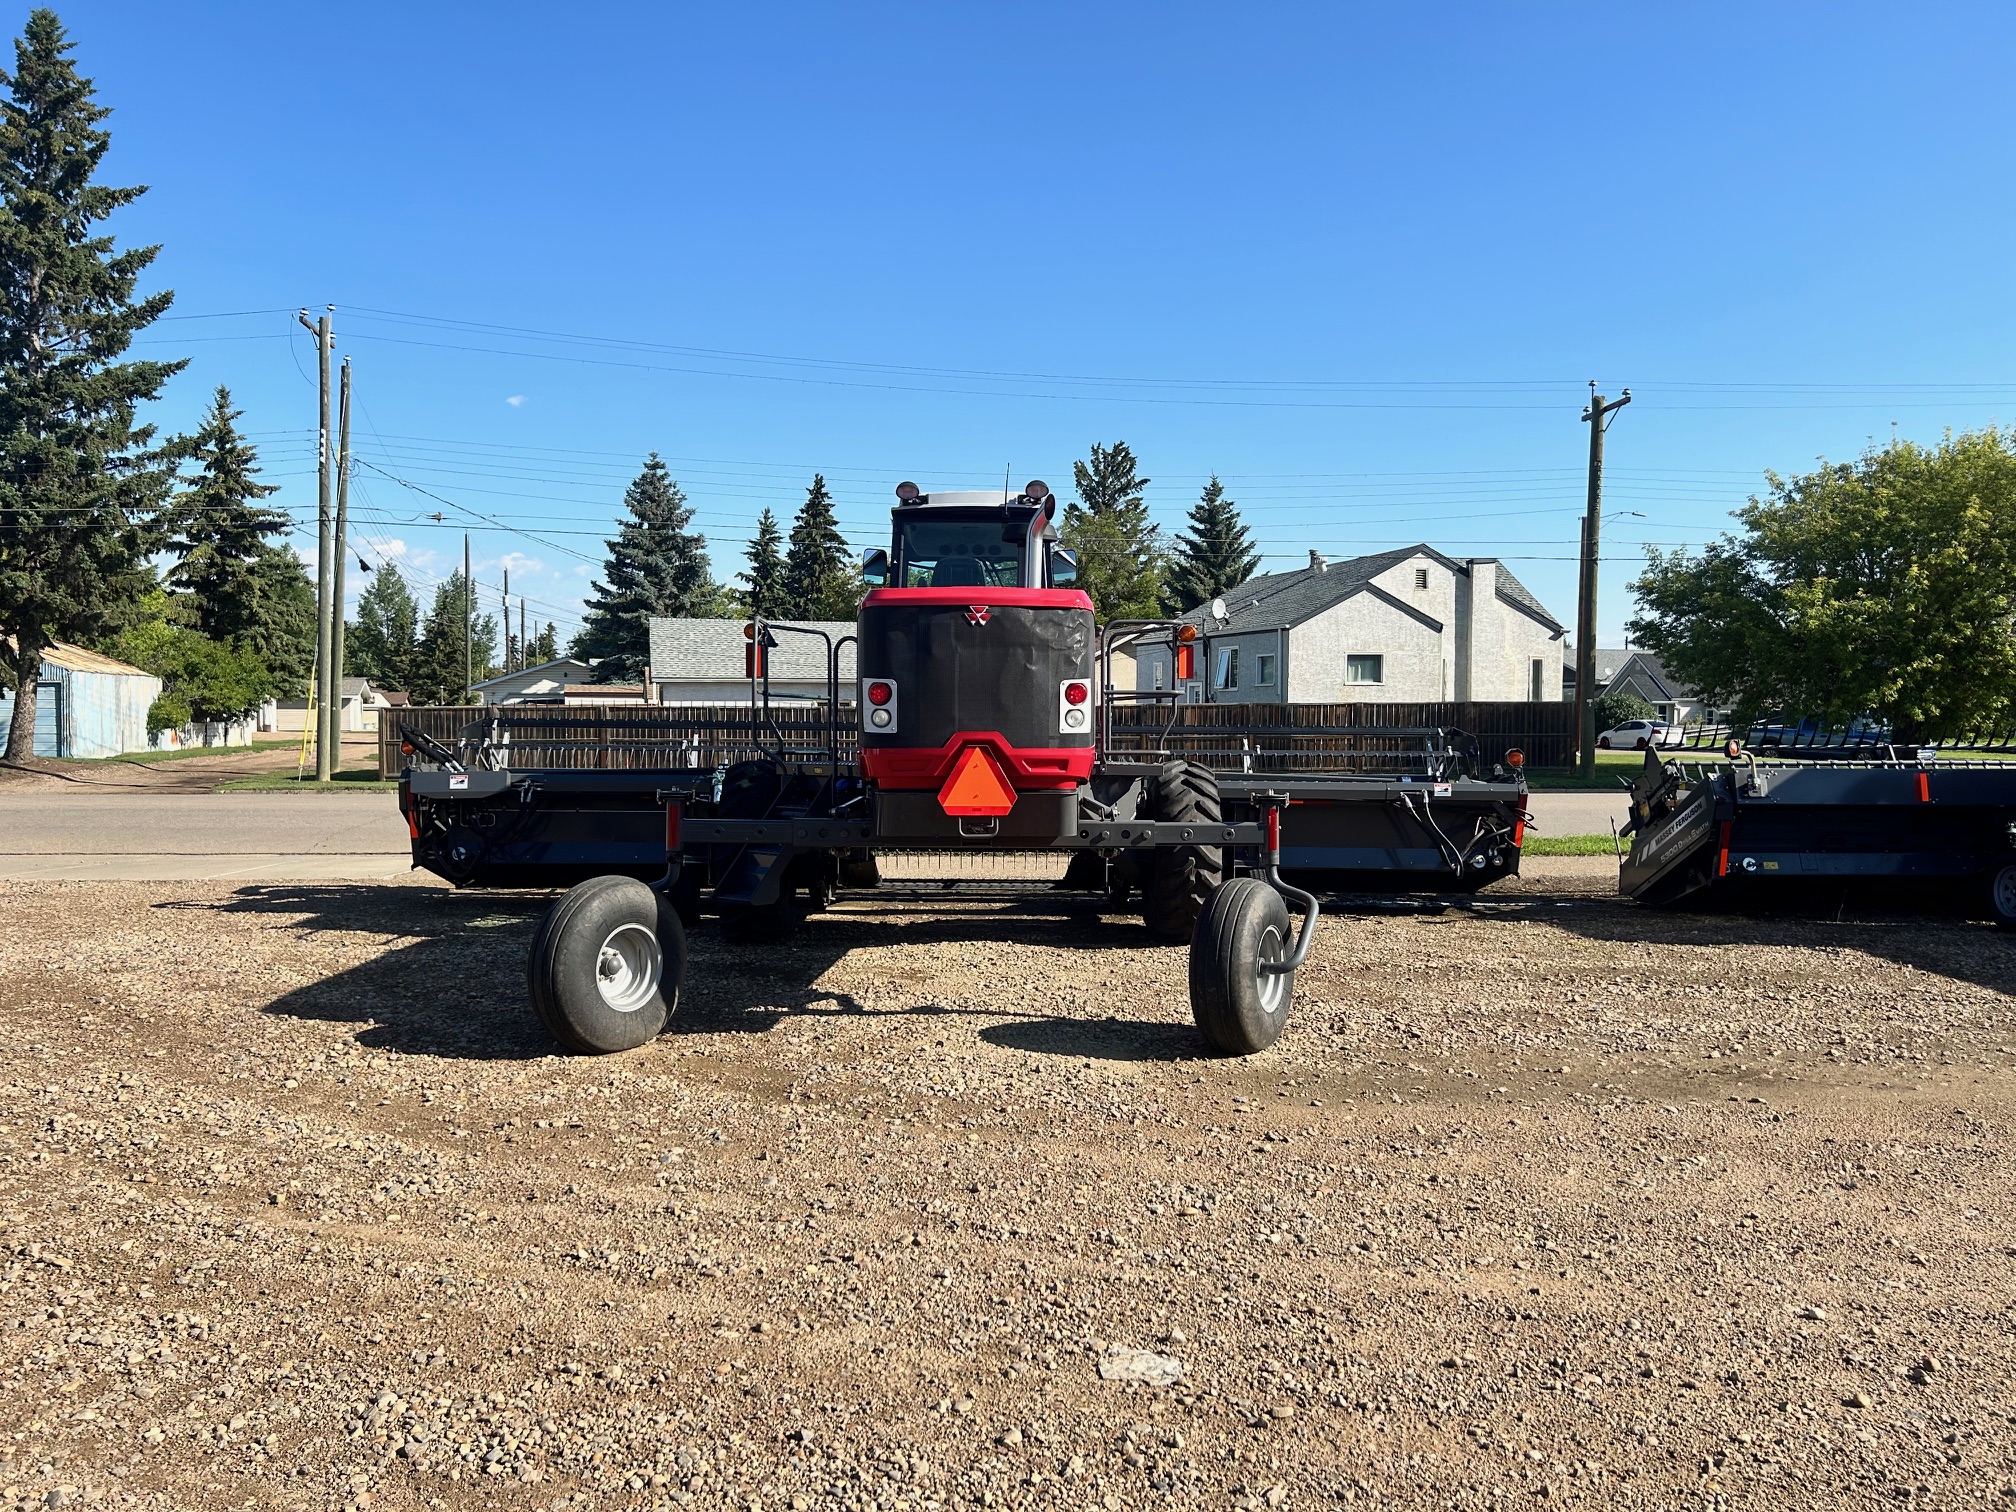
[
  {"x": 1556, "y": 814},
  {"x": 101, "y": 836},
  {"x": 150, "y": 837}
]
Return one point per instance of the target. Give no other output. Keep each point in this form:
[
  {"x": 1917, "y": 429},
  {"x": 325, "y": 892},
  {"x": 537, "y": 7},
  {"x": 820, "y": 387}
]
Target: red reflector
[
  {"x": 1519, "y": 832},
  {"x": 752, "y": 660},
  {"x": 1077, "y": 692},
  {"x": 1722, "y": 854},
  {"x": 1924, "y": 788},
  {"x": 672, "y": 811},
  {"x": 1186, "y": 662},
  {"x": 1273, "y": 832},
  {"x": 880, "y": 693},
  {"x": 413, "y": 821},
  {"x": 976, "y": 786}
]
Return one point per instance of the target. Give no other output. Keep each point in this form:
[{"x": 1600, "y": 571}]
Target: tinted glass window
[{"x": 960, "y": 554}]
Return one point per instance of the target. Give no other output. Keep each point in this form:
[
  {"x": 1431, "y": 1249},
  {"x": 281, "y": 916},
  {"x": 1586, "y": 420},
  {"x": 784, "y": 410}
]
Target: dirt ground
[
  {"x": 1540, "y": 1199},
  {"x": 183, "y": 774}
]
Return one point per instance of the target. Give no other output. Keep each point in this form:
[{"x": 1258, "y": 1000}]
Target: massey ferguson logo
[{"x": 977, "y": 614}]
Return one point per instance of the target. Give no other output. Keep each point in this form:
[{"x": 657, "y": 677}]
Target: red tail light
[
  {"x": 880, "y": 693},
  {"x": 1077, "y": 692}
]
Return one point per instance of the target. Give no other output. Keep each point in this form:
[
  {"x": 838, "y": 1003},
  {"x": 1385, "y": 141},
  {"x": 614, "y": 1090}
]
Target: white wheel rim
[
  {"x": 1274, "y": 986},
  {"x": 628, "y": 968},
  {"x": 2005, "y": 892}
]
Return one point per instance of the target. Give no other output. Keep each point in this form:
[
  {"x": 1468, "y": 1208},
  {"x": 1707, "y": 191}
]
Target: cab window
[{"x": 960, "y": 554}]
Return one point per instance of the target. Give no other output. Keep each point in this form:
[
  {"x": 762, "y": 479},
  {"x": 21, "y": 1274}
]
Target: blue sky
[{"x": 1359, "y": 260}]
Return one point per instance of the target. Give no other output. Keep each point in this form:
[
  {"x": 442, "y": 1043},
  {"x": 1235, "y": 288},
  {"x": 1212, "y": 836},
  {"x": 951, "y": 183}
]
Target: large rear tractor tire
[
  {"x": 1240, "y": 1008},
  {"x": 1176, "y": 883},
  {"x": 606, "y": 966}
]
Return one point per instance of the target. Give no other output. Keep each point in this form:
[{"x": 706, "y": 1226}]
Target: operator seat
[{"x": 958, "y": 572}]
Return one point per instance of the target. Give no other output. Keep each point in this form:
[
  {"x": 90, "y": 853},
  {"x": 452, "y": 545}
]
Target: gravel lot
[{"x": 1539, "y": 1198}]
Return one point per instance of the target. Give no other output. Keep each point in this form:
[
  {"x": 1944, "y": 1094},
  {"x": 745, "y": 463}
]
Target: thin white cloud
[
  {"x": 516, "y": 401},
  {"x": 517, "y": 561}
]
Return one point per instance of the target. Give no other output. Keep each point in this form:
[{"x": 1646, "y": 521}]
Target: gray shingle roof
[
  {"x": 711, "y": 650},
  {"x": 1281, "y": 599}
]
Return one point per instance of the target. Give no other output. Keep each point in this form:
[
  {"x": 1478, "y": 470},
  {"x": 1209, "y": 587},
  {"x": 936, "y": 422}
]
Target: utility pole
[
  {"x": 1596, "y": 416},
  {"x": 524, "y": 646},
  {"x": 506, "y": 602},
  {"x": 468, "y": 626},
  {"x": 342, "y": 561},
  {"x": 324, "y": 539}
]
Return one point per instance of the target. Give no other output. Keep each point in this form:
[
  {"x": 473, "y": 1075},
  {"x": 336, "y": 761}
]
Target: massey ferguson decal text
[{"x": 978, "y": 614}]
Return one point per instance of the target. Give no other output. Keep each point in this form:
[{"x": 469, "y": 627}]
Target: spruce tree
[
  {"x": 1120, "y": 555},
  {"x": 282, "y": 634},
  {"x": 820, "y": 582},
  {"x": 80, "y": 481},
  {"x": 545, "y": 646},
  {"x": 381, "y": 643},
  {"x": 1215, "y": 555},
  {"x": 437, "y": 672},
  {"x": 765, "y": 594},
  {"x": 656, "y": 568},
  {"x": 217, "y": 529}
]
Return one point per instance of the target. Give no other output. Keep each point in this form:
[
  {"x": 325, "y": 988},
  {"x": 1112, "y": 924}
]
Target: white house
[
  {"x": 1406, "y": 626},
  {"x": 545, "y": 683},
  {"x": 705, "y": 661},
  {"x": 359, "y": 710}
]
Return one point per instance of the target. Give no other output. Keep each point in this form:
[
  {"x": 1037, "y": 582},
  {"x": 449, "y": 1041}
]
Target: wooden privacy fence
[{"x": 1228, "y": 737}]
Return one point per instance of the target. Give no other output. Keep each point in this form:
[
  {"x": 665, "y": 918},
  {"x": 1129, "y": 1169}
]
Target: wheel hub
[{"x": 628, "y": 968}]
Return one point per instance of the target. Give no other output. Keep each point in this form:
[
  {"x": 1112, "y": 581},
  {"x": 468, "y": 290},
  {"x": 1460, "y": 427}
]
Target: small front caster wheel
[
  {"x": 1239, "y": 1007},
  {"x": 2001, "y": 890},
  {"x": 606, "y": 966}
]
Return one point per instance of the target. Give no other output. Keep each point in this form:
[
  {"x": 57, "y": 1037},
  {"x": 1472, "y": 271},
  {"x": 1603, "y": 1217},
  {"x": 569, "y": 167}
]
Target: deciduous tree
[{"x": 1886, "y": 585}]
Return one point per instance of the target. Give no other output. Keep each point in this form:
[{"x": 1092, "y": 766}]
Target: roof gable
[{"x": 712, "y": 650}]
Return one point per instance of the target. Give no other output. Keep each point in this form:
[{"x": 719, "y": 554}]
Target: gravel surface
[{"x": 1541, "y": 1199}]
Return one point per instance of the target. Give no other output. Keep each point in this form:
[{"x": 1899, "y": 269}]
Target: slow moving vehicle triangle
[{"x": 977, "y": 786}]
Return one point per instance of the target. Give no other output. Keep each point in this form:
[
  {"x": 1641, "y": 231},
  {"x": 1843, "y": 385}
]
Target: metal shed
[{"x": 88, "y": 705}]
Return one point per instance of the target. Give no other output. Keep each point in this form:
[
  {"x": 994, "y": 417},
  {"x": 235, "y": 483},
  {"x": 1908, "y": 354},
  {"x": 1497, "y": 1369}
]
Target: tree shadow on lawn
[{"x": 449, "y": 980}]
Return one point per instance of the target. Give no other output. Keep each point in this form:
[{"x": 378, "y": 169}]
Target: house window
[
  {"x": 1228, "y": 668},
  {"x": 1420, "y": 577},
  {"x": 1158, "y": 676},
  {"x": 1266, "y": 671},
  {"x": 1192, "y": 693},
  {"x": 1539, "y": 680},
  {"x": 1364, "y": 669}
]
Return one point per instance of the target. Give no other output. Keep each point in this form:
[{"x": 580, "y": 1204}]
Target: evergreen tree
[
  {"x": 765, "y": 594},
  {"x": 217, "y": 529},
  {"x": 545, "y": 646},
  {"x": 437, "y": 672},
  {"x": 381, "y": 643},
  {"x": 820, "y": 581},
  {"x": 79, "y": 480},
  {"x": 1120, "y": 556},
  {"x": 656, "y": 567},
  {"x": 283, "y": 629},
  {"x": 1216, "y": 554}
]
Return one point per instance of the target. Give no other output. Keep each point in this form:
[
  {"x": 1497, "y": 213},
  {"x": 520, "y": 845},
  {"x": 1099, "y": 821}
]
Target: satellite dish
[{"x": 1218, "y": 610}]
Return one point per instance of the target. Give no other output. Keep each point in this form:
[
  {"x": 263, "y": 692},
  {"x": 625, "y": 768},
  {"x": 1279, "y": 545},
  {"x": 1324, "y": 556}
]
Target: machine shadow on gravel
[
  {"x": 1882, "y": 924},
  {"x": 449, "y": 980}
]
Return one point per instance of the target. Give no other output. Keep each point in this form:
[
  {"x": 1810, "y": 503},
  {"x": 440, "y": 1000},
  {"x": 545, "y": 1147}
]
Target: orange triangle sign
[{"x": 976, "y": 786}]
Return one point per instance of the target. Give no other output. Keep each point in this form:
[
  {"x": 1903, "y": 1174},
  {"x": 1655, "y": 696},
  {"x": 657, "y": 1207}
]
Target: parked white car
[{"x": 1637, "y": 734}]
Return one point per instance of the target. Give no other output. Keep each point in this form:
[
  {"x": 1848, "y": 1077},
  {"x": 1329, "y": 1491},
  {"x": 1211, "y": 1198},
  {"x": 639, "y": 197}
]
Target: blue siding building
[{"x": 87, "y": 705}]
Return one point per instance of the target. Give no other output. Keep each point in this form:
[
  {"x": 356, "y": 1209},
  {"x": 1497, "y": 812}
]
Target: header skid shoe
[{"x": 977, "y": 787}]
